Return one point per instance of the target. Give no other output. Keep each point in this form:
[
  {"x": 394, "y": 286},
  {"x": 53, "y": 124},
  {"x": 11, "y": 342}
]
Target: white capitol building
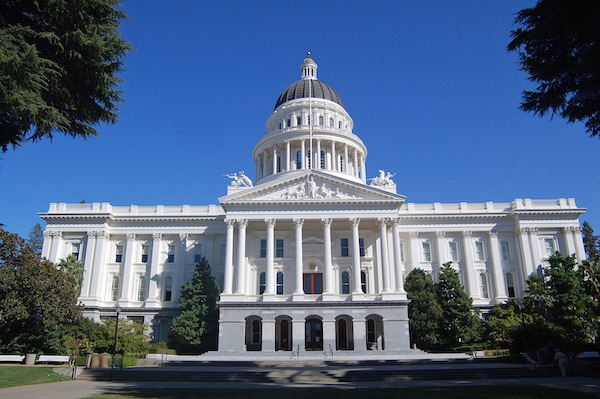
[{"x": 311, "y": 256}]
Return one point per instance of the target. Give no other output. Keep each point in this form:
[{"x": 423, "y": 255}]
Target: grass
[
  {"x": 12, "y": 376},
  {"x": 467, "y": 392}
]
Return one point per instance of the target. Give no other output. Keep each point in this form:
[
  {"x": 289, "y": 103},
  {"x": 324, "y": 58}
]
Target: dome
[{"x": 300, "y": 89}]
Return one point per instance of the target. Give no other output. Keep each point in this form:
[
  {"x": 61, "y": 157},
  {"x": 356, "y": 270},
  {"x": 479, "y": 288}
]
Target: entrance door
[
  {"x": 313, "y": 336},
  {"x": 285, "y": 341},
  {"x": 342, "y": 335}
]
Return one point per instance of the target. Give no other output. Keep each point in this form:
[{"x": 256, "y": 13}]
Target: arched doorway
[
  {"x": 283, "y": 333},
  {"x": 344, "y": 336},
  {"x": 253, "y": 333},
  {"x": 374, "y": 326},
  {"x": 313, "y": 334}
]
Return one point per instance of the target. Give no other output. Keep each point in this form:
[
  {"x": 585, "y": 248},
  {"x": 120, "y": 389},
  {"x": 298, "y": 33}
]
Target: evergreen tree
[
  {"x": 197, "y": 325},
  {"x": 36, "y": 240},
  {"x": 58, "y": 69},
  {"x": 591, "y": 242},
  {"x": 424, "y": 311},
  {"x": 460, "y": 324}
]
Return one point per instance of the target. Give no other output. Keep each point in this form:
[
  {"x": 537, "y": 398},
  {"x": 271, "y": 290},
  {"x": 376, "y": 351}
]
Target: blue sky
[{"x": 431, "y": 88}]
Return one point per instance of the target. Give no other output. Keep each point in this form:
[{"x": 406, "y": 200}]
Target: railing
[{"x": 529, "y": 360}]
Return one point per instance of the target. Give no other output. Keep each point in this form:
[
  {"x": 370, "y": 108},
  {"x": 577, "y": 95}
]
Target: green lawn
[
  {"x": 470, "y": 392},
  {"x": 11, "y": 376}
]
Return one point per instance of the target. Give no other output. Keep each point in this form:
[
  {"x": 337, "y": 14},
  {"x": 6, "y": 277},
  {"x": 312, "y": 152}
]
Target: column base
[
  {"x": 298, "y": 297},
  {"x": 394, "y": 296}
]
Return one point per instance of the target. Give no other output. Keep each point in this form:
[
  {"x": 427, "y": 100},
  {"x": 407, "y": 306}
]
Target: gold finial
[{"x": 308, "y": 54}]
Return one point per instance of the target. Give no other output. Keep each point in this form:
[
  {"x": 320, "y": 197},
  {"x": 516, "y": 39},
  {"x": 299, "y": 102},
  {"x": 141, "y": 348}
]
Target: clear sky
[{"x": 432, "y": 90}]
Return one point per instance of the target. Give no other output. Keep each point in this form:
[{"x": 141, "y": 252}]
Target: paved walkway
[{"x": 77, "y": 389}]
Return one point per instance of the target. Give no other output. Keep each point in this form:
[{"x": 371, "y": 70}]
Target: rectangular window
[
  {"x": 279, "y": 283},
  {"x": 453, "y": 250},
  {"x": 168, "y": 288},
  {"x": 75, "y": 249},
  {"x": 279, "y": 248},
  {"x": 425, "y": 252},
  {"x": 171, "y": 253},
  {"x": 402, "y": 258},
  {"x": 118, "y": 254},
  {"x": 144, "y": 254},
  {"x": 549, "y": 247},
  {"x": 344, "y": 247},
  {"x": 505, "y": 250},
  {"x": 197, "y": 253},
  {"x": 141, "y": 291},
  {"x": 361, "y": 246},
  {"x": 263, "y": 248},
  {"x": 262, "y": 283},
  {"x": 479, "y": 251},
  {"x": 114, "y": 289}
]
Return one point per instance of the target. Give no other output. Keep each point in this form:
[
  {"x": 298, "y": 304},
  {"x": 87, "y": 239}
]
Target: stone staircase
[{"x": 318, "y": 372}]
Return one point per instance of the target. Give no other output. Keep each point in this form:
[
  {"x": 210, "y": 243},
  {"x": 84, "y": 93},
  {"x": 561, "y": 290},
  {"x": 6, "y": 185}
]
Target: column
[
  {"x": 346, "y": 158},
  {"x": 270, "y": 276},
  {"x": 578, "y": 240},
  {"x": 356, "y": 257},
  {"x": 569, "y": 242},
  {"x": 299, "y": 291},
  {"x": 228, "y": 278},
  {"x": 397, "y": 256},
  {"x": 498, "y": 273},
  {"x": 363, "y": 168},
  {"x": 334, "y": 165},
  {"x": 181, "y": 263},
  {"x": 274, "y": 159},
  {"x": 241, "y": 259},
  {"x": 384, "y": 254},
  {"x": 328, "y": 275},
  {"x": 56, "y": 246},
  {"x": 318, "y": 155},
  {"x": 287, "y": 156},
  {"x": 534, "y": 245},
  {"x": 414, "y": 249},
  {"x": 265, "y": 163},
  {"x": 257, "y": 169},
  {"x": 99, "y": 263},
  {"x": 303, "y": 152},
  {"x": 355, "y": 159},
  {"x": 152, "y": 276},
  {"x": 127, "y": 280},
  {"x": 468, "y": 266},
  {"x": 48, "y": 244},
  {"x": 268, "y": 335},
  {"x": 440, "y": 241},
  {"x": 525, "y": 252},
  {"x": 88, "y": 263}
]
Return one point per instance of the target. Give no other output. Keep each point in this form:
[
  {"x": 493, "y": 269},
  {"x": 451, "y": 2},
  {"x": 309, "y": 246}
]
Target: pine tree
[
  {"x": 197, "y": 325},
  {"x": 591, "y": 242},
  {"x": 424, "y": 310},
  {"x": 36, "y": 240},
  {"x": 460, "y": 324}
]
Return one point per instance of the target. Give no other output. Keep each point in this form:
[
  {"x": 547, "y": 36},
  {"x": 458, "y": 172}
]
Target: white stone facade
[{"x": 310, "y": 258}]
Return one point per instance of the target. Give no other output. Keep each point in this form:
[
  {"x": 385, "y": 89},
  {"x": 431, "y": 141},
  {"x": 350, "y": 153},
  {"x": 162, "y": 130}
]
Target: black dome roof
[{"x": 300, "y": 89}]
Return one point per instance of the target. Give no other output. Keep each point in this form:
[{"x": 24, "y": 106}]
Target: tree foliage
[
  {"x": 460, "y": 324},
  {"x": 36, "y": 298},
  {"x": 36, "y": 240},
  {"x": 424, "y": 310},
  {"x": 73, "y": 266},
  {"x": 197, "y": 325},
  {"x": 59, "y": 61},
  {"x": 591, "y": 242},
  {"x": 558, "y": 43}
]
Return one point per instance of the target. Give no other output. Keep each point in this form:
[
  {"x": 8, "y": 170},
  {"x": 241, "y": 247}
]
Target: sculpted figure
[{"x": 239, "y": 180}]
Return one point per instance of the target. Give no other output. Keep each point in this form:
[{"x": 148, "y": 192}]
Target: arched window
[
  {"x": 114, "y": 288},
  {"x": 262, "y": 277},
  {"x": 484, "y": 286},
  {"x": 345, "y": 283},
  {"x": 330, "y": 122},
  {"x": 299, "y": 160},
  {"x": 510, "y": 285},
  {"x": 279, "y": 283},
  {"x": 339, "y": 124},
  {"x": 168, "y": 289},
  {"x": 298, "y": 120},
  {"x": 321, "y": 121},
  {"x": 141, "y": 291},
  {"x": 371, "y": 335}
]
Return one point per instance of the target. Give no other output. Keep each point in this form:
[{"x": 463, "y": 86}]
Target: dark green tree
[
  {"x": 36, "y": 240},
  {"x": 460, "y": 323},
  {"x": 36, "y": 298},
  {"x": 507, "y": 327},
  {"x": 424, "y": 310},
  {"x": 58, "y": 69},
  {"x": 197, "y": 325},
  {"x": 558, "y": 43},
  {"x": 71, "y": 265},
  {"x": 591, "y": 242}
]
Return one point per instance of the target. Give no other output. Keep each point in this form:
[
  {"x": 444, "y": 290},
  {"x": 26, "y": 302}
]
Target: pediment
[{"x": 309, "y": 186}]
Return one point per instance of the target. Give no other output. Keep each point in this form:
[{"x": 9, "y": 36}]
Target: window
[
  {"x": 144, "y": 254},
  {"x": 289, "y": 122},
  {"x": 361, "y": 246},
  {"x": 425, "y": 252},
  {"x": 279, "y": 248},
  {"x": 322, "y": 163},
  {"x": 118, "y": 254},
  {"x": 330, "y": 122},
  {"x": 371, "y": 334},
  {"x": 278, "y": 163},
  {"x": 453, "y": 250},
  {"x": 309, "y": 154},
  {"x": 279, "y": 124},
  {"x": 549, "y": 247},
  {"x": 339, "y": 125},
  {"x": 363, "y": 282},
  {"x": 505, "y": 250},
  {"x": 262, "y": 278},
  {"x": 320, "y": 121},
  {"x": 171, "y": 253},
  {"x": 114, "y": 288},
  {"x": 197, "y": 253},
  {"x": 402, "y": 259},
  {"x": 345, "y": 283},
  {"x": 255, "y": 336},
  {"x": 341, "y": 163},
  {"x": 298, "y": 120},
  {"x": 510, "y": 285},
  {"x": 141, "y": 291},
  {"x": 299, "y": 160},
  {"x": 344, "y": 247},
  {"x": 263, "y": 248},
  {"x": 75, "y": 249},
  {"x": 279, "y": 283},
  {"x": 479, "y": 252},
  {"x": 484, "y": 285},
  {"x": 168, "y": 288},
  {"x": 313, "y": 283}
]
